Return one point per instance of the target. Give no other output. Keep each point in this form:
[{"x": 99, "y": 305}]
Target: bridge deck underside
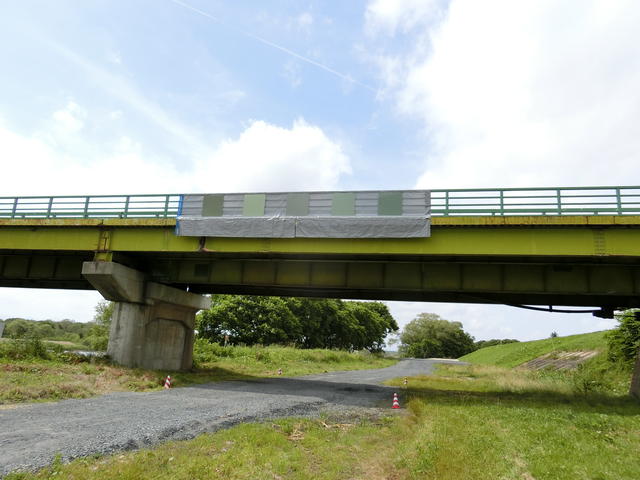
[{"x": 548, "y": 281}]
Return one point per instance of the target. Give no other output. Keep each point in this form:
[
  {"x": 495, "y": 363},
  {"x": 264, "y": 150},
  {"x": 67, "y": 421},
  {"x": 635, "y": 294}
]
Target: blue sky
[{"x": 183, "y": 96}]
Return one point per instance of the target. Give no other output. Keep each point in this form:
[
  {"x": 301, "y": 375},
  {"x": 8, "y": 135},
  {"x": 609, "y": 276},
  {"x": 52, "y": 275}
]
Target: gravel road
[{"x": 31, "y": 436}]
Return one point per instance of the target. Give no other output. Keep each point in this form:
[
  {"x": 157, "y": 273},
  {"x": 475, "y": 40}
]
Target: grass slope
[{"x": 514, "y": 354}]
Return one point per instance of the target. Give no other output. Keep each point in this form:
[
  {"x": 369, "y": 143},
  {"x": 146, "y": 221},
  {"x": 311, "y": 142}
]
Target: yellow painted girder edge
[
  {"x": 455, "y": 241},
  {"x": 444, "y": 241},
  {"x": 569, "y": 220}
]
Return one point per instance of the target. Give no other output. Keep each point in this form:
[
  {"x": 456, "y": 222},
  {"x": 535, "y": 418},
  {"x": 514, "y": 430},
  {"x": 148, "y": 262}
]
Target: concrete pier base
[
  {"x": 152, "y": 324},
  {"x": 635, "y": 379}
]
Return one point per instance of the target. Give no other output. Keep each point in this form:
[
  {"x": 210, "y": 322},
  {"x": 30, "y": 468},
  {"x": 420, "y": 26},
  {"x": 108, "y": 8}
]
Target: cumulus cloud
[
  {"x": 269, "y": 157},
  {"x": 263, "y": 157},
  {"x": 519, "y": 93}
]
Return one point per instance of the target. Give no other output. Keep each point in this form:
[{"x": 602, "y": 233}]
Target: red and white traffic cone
[
  {"x": 167, "y": 382},
  {"x": 396, "y": 403}
]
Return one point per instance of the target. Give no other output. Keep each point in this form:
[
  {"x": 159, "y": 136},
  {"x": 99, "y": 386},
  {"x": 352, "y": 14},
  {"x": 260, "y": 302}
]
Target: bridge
[{"x": 154, "y": 254}]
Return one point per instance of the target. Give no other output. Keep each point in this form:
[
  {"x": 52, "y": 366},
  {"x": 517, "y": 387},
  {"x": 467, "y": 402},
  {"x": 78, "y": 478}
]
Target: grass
[
  {"x": 48, "y": 376},
  {"x": 514, "y": 354},
  {"x": 465, "y": 422}
]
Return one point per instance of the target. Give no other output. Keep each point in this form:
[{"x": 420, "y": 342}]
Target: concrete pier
[
  {"x": 152, "y": 324},
  {"x": 635, "y": 379}
]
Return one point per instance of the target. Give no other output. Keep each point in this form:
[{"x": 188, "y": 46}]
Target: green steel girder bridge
[
  {"x": 535, "y": 246},
  {"x": 529, "y": 246}
]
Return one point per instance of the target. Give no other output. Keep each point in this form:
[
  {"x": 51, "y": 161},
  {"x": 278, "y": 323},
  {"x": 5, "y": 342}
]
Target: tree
[
  {"x": 98, "y": 337},
  {"x": 304, "y": 322},
  {"x": 249, "y": 320},
  {"x": 428, "y": 335},
  {"x": 494, "y": 341},
  {"x": 624, "y": 340}
]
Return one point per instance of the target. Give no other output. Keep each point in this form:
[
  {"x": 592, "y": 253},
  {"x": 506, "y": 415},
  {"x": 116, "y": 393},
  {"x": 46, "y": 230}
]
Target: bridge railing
[
  {"x": 623, "y": 200},
  {"x": 94, "y": 206},
  {"x": 537, "y": 201}
]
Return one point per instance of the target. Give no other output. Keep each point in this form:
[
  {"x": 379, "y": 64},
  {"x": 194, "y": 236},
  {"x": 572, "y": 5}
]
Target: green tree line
[{"x": 302, "y": 322}]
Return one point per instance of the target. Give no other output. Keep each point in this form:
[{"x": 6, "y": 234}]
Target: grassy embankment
[
  {"x": 514, "y": 354},
  {"x": 466, "y": 422},
  {"x": 30, "y": 372}
]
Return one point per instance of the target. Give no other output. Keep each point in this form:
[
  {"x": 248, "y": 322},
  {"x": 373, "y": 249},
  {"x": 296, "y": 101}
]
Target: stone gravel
[{"x": 31, "y": 436}]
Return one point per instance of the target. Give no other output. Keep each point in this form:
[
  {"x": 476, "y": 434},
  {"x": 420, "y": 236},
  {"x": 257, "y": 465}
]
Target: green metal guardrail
[
  {"x": 93, "y": 206},
  {"x": 624, "y": 200}
]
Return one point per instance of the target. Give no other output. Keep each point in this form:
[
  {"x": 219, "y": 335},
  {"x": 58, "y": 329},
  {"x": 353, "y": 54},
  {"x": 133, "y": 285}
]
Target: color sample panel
[
  {"x": 212, "y": 205},
  {"x": 344, "y": 204},
  {"x": 297, "y": 204},
  {"x": 253, "y": 205},
  {"x": 390, "y": 203}
]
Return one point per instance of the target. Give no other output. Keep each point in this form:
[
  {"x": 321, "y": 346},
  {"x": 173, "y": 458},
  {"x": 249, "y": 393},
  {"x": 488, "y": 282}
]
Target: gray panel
[
  {"x": 192, "y": 204},
  {"x": 366, "y": 204},
  {"x": 275, "y": 205},
  {"x": 233, "y": 203},
  {"x": 320, "y": 204},
  {"x": 416, "y": 203}
]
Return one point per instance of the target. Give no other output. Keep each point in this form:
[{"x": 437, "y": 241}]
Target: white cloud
[
  {"x": 520, "y": 93},
  {"x": 262, "y": 157},
  {"x": 304, "y": 20},
  {"x": 268, "y": 157},
  {"x": 292, "y": 73},
  {"x": 71, "y": 118},
  {"x": 389, "y": 16}
]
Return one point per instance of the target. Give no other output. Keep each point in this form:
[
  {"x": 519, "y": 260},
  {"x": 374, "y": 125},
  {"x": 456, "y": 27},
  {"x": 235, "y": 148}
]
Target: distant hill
[{"x": 514, "y": 354}]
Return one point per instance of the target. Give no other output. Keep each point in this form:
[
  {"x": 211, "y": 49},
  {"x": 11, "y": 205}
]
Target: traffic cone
[
  {"x": 167, "y": 382},
  {"x": 396, "y": 404}
]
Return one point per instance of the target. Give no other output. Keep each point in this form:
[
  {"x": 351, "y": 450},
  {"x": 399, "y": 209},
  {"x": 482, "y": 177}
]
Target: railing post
[
  {"x": 15, "y": 208},
  {"x": 49, "y": 207},
  {"x": 619, "y": 201},
  {"x": 559, "y": 201},
  {"x": 502, "y": 202},
  {"x": 126, "y": 206},
  {"x": 446, "y": 203},
  {"x": 166, "y": 206},
  {"x": 86, "y": 207}
]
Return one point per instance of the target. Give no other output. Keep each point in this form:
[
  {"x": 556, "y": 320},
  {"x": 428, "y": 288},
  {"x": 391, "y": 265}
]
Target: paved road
[{"x": 31, "y": 436}]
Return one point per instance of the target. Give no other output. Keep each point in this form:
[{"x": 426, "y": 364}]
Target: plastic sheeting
[{"x": 304, "y": 227}]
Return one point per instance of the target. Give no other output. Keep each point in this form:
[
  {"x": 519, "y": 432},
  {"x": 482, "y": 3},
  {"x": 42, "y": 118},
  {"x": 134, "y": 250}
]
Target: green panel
[
  {"x": 297, "y": 204},
  {"x": 344, "y": 204},
  {"x": 390, "y": 203},
  {"x": 212, "y": 205},
  {"x": 253, "y": 205}
]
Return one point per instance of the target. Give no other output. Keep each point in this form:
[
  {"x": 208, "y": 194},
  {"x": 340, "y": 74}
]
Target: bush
[
  {"x": 23, "y": 349},
  {"x": 624, "y": 341}
]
